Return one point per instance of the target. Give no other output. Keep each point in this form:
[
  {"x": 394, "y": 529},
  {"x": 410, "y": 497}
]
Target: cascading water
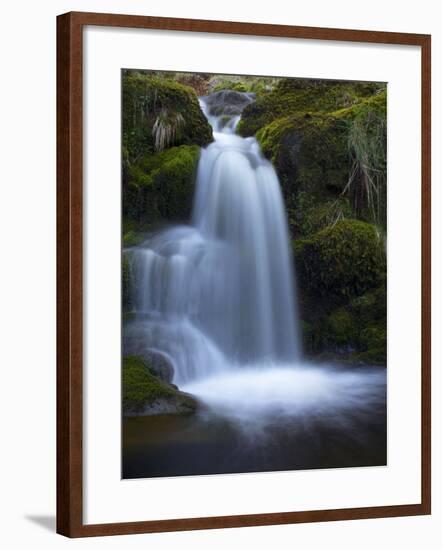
[
  {"x": 219, "y": 294},
  {"x": 216, "y": 300}
]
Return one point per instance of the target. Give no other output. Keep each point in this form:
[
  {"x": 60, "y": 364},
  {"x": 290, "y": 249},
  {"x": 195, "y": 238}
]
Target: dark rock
[
  {"x": 160, "y": 364},
  {"x": 228, "y": 102}
]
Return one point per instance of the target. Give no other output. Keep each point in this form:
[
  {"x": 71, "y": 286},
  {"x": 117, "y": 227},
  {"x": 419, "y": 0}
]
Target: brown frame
[{"x": 70, "y": 267}]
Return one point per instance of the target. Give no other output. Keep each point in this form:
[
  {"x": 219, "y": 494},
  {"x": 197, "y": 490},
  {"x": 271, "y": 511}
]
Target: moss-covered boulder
[
  {"x": 312, "y": 216},
  {"x": 144, "y": 394},
  {"x": 294, "y": 96},
  {"x": 159, "y": 112},
  {"x": 327, "y": 141},
  {"x": 359, "y": 329},
  {"x": 341, "y": 261},
  {"x": 161, "y": 186},
  {"x": 355, "y": 331}
]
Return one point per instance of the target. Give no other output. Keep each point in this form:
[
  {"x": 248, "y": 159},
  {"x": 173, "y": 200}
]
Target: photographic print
[{"x": 254, "y": 274}]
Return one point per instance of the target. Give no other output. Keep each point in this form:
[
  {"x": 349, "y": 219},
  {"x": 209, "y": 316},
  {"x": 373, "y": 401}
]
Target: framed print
[{"x": 243, "y": 276}]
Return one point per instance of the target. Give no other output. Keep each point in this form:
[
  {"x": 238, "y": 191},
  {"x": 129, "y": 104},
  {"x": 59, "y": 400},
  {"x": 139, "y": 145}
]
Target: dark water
[{"x": 209, "y": 443}]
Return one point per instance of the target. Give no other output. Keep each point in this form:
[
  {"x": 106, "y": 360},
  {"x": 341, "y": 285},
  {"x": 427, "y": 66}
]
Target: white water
[
  {"x": 262, "y": 396},
  {"x": 218, "y": 295}
]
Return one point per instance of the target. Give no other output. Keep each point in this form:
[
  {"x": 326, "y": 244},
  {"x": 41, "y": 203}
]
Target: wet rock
[{"x": 228, "y": 102}]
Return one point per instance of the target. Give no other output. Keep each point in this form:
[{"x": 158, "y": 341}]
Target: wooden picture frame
[{"x": 70, "y": 272}]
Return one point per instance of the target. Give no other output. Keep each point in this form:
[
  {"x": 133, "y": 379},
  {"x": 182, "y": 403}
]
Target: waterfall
[{"x": 219, "y": 293}]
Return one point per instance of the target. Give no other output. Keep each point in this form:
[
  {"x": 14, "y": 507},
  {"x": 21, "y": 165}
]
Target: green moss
[
  {"x": 371, "y": 308},
  {"x": 313, "y": 149},
  {"x": 317, "y": 135},
  {"x": 342, "y": 261},
  {"x": 161, "y": 186},
  {"x": 355, "y": 332},
  {"x": 341, "y": 327},
  {"x": 300, "y": 97},
  {"x": 132, "y": 238},
  {"x": 253, "y": 84},
  {"x": 311, "y": 157},
  {"x": 141, "y": 387},
  {"x": 146, "y": 96},
  {"x": 312, "y": 217},
  {"x": 341, "y": 275}
]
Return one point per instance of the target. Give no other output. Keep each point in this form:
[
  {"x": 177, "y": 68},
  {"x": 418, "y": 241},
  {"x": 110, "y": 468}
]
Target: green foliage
[
  {"x": 161, "y": 185},
  {"x": 342, "y": 261},
  {"x": 141, "y": 387}
]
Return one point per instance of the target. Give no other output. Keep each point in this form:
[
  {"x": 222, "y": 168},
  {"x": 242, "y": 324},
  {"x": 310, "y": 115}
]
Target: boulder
[
  {"x": 134, "y": 345},
  {"x": 144, "y": 394},
  {"x": 228, "y": 102}
]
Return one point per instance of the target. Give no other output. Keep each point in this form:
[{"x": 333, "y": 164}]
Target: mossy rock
[
  {"x": 294, "y": 96},
  {"x": 342, "y": 327},
  {"x": 311, "y": 216},
  {"x": 312, "y": 149},
  {"x": 355, "y": 332},
  {"x": 310, "y": 153},
  {"x": 147, "y": 96},
  {"x": 144, "y": 394},
  {"x": 314, "y": 134},
  {"x": 342, "y": 261},
  {"x": 161, "y": 186}
]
